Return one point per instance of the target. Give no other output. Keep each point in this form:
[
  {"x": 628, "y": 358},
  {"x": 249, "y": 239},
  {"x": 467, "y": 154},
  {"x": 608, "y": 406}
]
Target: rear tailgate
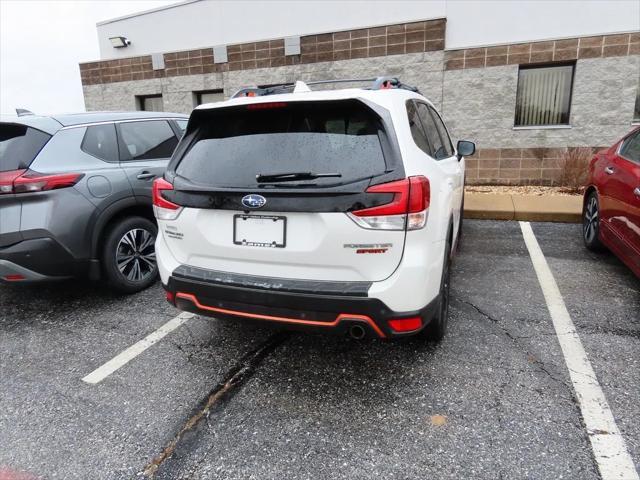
[{"x": 233, "y": 222}]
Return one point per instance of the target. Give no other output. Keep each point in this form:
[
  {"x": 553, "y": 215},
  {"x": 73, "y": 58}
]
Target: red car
[{"x": 611, "y": 211}]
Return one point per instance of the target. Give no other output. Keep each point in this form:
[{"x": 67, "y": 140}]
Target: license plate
[{"x": 259, "y": 231}]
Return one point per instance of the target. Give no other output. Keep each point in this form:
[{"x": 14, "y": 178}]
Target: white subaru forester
[{"x": 335, "y": 210}]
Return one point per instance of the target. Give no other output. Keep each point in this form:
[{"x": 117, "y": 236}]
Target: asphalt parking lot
[{"x": 495, "y": 400}]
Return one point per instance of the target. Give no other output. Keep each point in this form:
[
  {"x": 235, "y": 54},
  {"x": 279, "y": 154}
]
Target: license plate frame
[{"x": 252, "y": 243}]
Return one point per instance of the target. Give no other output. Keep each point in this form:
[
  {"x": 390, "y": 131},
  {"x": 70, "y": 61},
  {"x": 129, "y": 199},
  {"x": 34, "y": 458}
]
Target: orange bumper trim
[{"x": 257, "y": 316}]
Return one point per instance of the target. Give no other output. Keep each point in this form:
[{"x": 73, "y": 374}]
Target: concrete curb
[{"x": 534, "y": 208}]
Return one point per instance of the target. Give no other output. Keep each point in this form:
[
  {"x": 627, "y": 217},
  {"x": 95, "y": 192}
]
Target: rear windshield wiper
[{"x": 293, "y": 176}]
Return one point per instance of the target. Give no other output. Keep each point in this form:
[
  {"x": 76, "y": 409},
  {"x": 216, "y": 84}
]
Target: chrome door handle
[
  {"x": 636, "y": 192},
  {"x": 609, "y": 170},
  {"x": 145, "y": 175}
]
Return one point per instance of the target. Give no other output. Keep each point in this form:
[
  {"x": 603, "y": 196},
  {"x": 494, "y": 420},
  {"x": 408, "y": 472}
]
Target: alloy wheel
[
  {"x": 590, "y": 224},
  {"x": 135, "y": 255}
]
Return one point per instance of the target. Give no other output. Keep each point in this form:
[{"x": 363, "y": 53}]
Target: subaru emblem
[{"x": 253, "y": 201}]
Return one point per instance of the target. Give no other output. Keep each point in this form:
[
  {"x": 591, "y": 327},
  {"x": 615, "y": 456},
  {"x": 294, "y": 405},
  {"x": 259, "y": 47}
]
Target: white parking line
[
  {"x": 609, "y": 448},
  {"x": 136, "y": 349}
]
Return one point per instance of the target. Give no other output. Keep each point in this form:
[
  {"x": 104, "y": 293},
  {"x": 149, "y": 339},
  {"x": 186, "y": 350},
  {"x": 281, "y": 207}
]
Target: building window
[
  {"x": 544, "y": 95},
  {"x": 207, "y": 96},
  {"x": 636, "y": 110},
  {"x": 150, "y": 103}
]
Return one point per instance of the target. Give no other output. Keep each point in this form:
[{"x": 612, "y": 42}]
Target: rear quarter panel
[
  {"x": 10, "y": 213},
  {"x": 70, "y": 214}
]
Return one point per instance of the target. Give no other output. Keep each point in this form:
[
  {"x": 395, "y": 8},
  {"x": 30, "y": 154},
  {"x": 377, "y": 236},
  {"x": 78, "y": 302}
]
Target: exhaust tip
[{"x": 357, "y": 332}]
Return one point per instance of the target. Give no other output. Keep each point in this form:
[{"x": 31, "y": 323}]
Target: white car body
[{"x": 402, "y": 269}]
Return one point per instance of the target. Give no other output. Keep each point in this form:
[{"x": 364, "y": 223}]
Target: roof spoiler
[{"x": 379, "y": 83}]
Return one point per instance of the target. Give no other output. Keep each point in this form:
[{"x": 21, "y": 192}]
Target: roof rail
[
  {"x": 382, "y": 83},
  {"x": 378, "y": 83},
  {"x": 259, "y": 92}
]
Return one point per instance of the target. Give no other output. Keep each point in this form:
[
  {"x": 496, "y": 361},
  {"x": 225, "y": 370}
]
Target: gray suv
[{"x": 75, "y": 195}]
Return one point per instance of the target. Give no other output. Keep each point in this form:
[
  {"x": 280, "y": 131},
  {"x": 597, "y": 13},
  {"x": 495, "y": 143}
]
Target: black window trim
[
  {"x": 86, "y": 128},
  {"x": 122, "y": 147},
  {"x": 533, "y": 66}
]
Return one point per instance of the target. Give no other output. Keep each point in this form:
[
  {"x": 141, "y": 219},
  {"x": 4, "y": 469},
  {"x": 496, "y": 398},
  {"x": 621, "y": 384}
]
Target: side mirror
[{"x": 465, "y": 148}]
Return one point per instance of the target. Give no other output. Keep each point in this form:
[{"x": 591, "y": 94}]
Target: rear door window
[
  {"x": 19, "y": 145},
  {"x": 438, "y": 150},
  {"x": 146, "y": 140},
  {"x": 100, "y": 141},
  {"x": 417, "y": 131},
  {"x": 631, "y": 148},
  {"x": 444, "y": 135},
  {"x": 234, "y": 145}
]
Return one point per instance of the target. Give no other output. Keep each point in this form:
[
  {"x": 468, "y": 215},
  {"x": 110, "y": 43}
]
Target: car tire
[
  {"x": 591, "y": 223},
  {"x": 128, "y": 256},
  {"x": 437, "y": 328}
]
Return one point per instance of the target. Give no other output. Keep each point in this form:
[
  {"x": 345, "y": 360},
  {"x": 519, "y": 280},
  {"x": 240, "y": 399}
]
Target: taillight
[
  {"x": 14, "y": 277},
  {"x": 408, "y": 208},
  {"x": 405, "y": 324},
  {"x": 7, "y": 179},
  {"x": 163, "y": 208},
  {"x": 171, "y": 297},
  {"x": 25, "y": 181},
  {"x": 266, "y": 105}
]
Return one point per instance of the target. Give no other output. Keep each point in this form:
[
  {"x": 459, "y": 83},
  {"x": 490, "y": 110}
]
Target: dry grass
[
  {"x": 575, "y": 168},
  {"x": 521, "y": 190}
]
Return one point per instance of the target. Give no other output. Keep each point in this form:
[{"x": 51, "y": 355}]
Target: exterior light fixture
[{"x": 119, "y": 42}]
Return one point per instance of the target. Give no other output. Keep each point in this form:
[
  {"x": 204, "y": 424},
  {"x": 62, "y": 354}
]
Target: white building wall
[
  {"x": 205, "y": 23},
  {"x": 472, "y": 23}
]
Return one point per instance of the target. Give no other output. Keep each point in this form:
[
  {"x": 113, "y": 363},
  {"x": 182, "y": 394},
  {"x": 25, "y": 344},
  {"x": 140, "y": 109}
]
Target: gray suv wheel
[{"x": 128, "y": 257}]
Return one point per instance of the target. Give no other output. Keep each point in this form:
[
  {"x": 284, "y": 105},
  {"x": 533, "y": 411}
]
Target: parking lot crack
[
  {"x": 233, "y": 380},
  {"x": 541, "y": 366}
]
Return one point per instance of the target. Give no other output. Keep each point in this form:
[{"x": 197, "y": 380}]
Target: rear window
[
  {"x": 234, "y": 145},
  {"x": 19, "y": 145}
]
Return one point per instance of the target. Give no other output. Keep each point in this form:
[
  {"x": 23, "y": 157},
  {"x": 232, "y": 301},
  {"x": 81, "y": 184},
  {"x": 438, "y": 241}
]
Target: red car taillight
[
  {"x": 409, "y": 206},
  {"x": 25, "y": 181},
  {"x": 266, "y": 106},
  {"x": 163, "y": 208},
  {"x": 405, "y": 324},
  {"x": 7, "y": 179}
]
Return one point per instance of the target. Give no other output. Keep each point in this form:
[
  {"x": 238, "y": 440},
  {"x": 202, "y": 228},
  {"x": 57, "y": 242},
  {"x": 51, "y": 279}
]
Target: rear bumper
[
  {"x": 12, "y": 273},
  {"x": 37, "y": 259},
  {"x": 290, "y": 308}
]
